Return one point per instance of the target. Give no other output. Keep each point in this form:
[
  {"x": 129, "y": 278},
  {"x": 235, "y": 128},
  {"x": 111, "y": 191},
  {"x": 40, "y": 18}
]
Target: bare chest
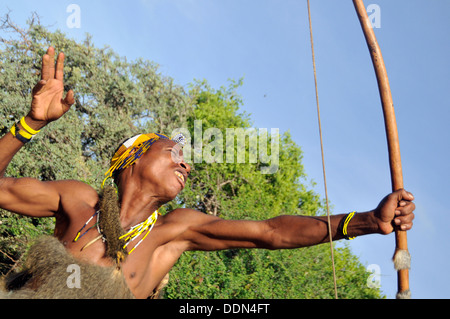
[{"x": 144, "y": 269}]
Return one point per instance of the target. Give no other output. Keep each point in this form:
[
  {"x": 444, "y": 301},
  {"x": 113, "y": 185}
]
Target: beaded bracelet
[
  {"x": 27, "y": 127},
  {"x": 344, "y": 224},
  {"x": 24, "y": 135}
]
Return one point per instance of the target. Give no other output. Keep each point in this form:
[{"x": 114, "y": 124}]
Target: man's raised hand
[{"x": 48, "y": 104}]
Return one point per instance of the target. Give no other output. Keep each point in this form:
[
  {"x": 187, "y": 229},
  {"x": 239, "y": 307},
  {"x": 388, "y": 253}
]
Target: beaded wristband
[
  {"x": 26, "y": 134},
  {"x": 344, "y": 224},
  {"x": 21, "y": 135},
  {"x": 27, "y": 127}
]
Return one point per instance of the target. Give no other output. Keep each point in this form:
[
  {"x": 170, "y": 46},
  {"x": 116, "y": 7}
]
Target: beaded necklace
[
  {"x": 137, "y": 230},
  {"x": 131, "y": 235}
]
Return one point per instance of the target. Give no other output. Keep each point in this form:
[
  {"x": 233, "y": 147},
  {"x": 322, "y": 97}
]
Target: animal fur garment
[
  {"x": 110, "y": 225},
  {"x": 49, "y": 274},
  {"x": 48, "y": 267}
]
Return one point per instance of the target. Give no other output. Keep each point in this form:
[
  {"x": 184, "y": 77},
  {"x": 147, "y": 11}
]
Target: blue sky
[{"x": 266, "y": 42}]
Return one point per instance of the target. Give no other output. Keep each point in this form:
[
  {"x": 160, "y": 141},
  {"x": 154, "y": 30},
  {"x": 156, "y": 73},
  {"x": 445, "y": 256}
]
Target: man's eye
[{"x": 176, "y": 157}]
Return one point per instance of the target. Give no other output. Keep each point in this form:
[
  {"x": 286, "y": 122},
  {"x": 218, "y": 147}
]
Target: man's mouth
[{"x": 180, "y": 177}]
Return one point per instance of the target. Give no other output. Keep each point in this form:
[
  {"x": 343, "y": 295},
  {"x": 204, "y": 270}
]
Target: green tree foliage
[
  {"x": 241, "y": 191},
  {"x": 116, "y": 99}
]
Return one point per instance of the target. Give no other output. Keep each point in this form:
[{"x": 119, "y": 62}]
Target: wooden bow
[{"x": 401, "y": 256}]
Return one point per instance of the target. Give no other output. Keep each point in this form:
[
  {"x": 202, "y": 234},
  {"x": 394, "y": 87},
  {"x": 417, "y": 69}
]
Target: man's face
[{"x": 162, "y": 169}]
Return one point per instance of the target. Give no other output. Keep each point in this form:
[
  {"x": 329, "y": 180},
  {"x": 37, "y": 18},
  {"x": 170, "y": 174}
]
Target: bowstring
[{"x": 321, "y": 149}]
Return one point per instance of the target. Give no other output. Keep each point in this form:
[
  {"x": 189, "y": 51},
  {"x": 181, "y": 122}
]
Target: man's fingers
[
  {"x": 59, "y": 73},
  {"x": 70, "y": 97},
  {"x": 45, "y": 72},
  {"x": 69, "y": 100},
  {"x": 51, "y": 64},
  {"x": 404, "y": 216},
  {"x": 51, "y": 51},
  {"x": 407, "y": 226},
  {"x": 403, "y": 194},
  {"x": 405, "y": 208},
  {"x": 48, "y": 66},
  {"x": 404, "y": 225}
]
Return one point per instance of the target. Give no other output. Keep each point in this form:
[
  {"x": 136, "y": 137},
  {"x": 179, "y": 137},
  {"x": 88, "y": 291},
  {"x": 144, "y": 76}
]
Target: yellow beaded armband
[{"x": 345, "y": 221}]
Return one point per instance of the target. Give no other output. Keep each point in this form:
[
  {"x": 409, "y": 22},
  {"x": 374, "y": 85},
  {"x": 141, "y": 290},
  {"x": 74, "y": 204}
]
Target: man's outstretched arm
[
  {"x": 29, "y": 196},
  {"x": 208, "y": 232}
]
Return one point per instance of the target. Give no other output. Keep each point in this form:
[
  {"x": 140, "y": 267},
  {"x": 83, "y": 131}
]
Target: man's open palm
[{"x": 48, "y": 103}]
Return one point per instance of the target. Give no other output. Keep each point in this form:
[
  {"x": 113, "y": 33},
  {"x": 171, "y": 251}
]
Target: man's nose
[{"x": 186, "y": 166}]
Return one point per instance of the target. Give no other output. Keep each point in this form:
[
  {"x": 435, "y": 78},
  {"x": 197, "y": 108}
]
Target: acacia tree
[{"x": 117, "y": 98}]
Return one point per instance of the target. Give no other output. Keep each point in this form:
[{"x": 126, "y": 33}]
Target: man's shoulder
[
  {"x": 74, "y": 190},
  {"x": 188, "y": 216},
  {"x": 185, "y": 226},
  {"x": 75, "y": 186}
]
